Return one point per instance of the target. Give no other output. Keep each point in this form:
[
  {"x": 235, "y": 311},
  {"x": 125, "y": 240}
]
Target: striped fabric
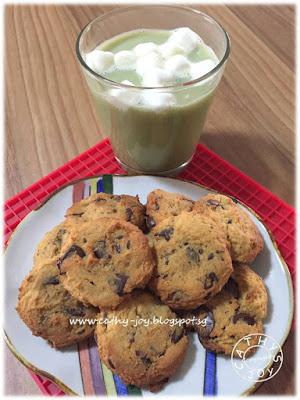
[{"x": 97, "y": 379}]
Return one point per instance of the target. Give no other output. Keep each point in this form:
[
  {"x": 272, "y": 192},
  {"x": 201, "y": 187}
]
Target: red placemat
[{"x": 206, "y": 168}]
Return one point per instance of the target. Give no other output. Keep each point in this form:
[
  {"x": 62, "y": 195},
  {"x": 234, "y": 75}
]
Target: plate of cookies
[{"x": 150, "y": 286}]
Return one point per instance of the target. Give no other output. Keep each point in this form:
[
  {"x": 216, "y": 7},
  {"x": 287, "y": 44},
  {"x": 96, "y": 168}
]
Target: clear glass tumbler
[{"x": 149, "y": 139}]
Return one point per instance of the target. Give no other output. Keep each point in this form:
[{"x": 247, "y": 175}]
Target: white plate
[{"x": 63, "y": 367}]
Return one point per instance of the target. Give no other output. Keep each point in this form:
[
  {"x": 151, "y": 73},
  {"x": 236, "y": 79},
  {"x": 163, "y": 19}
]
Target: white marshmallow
[
  {"x": 158, "y": 100},
  {"x": 150, "y": 60},
  {"x": 158, "y": 66},
  {"x": 144, "y": 48},
  {"x": 201, "y": 68},
  {"x": 169, "y": 49},
  {"x": 99, "y": 61},
  {"x": 125, "y": 60},
  {"x": 179, "y": 65},
  {"x": 124, "y": 97},
  {"x": 185, "y": 38},
  {"x": 157, "y": 77}
]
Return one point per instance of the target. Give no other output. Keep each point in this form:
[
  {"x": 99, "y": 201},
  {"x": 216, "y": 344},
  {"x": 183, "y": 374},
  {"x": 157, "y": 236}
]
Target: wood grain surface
[{"x": 50, "y": 116}]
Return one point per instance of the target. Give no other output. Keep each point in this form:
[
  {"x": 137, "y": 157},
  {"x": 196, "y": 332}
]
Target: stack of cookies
[{"x": 113, "y": 258}]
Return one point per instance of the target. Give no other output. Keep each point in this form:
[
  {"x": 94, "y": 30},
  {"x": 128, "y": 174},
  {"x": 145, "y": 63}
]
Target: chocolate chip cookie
[
  {"x": 161, "y": 205},
  {"x": 192, "y": 260},
  {"x": 127, "y": 208},
  {"x": 46, "y": 308},
  {"x": 244, "y": 238},
  {"x": 144, "y": 356},
  {"x": 238, "y": 310},
  {"x": 104, "y": 260},
  {"x": 50, "y": 246}
]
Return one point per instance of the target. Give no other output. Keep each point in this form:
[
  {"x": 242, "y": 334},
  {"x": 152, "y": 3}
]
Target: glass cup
[{"x": 152, "y": 139}]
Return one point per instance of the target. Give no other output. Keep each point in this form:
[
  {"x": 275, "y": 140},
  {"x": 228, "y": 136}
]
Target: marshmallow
[
  {"x": 158, "y": 100},
  {"x": 186, "y": 38},
  {"x": 124, "y": 97},
  {"x": 201, "y": 68},
  {"x": 125, "y": 60},
  {"x": 150, "y": 60},
  {"x": 144, "y": 48},
  {"x": 99, "y": 61},
  {"x": 157, "y": 77},
  {"x": 179, "y": 65},
  {"x": 169, "y": 49},
  {"x": 157, "y": 66}
]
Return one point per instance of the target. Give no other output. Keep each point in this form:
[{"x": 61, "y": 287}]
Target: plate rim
[{"x": 59, "y": 383}]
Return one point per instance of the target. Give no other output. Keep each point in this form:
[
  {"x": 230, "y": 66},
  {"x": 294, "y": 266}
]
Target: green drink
[{"x": 152, "y": 98}]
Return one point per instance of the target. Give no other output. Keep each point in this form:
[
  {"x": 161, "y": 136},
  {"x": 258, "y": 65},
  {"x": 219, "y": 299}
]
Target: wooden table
[{"x": 50, "y": 117}]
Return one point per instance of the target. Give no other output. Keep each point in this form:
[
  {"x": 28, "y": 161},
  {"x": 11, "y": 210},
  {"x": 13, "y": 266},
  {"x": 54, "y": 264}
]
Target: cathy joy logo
[{"x": 262, "y": 366}]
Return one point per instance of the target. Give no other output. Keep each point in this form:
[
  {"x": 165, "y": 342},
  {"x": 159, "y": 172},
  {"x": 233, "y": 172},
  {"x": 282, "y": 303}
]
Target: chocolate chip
[
  {"x": 120, "y": 282},
  {"x": 166, "y": 233},
  {"x": 210, "y": 256},
  {"x": 58, "y": 240},
  {"x": 245, "y": 317},
  {"x": 177, "y": 334},
  {"x": 209, "y": 280},
  {"x": 191, "y": 202},
  {"x": 192, "y": 254},
  {"x": 128, "y": 244},
  {"x": 234, "y": 200},
  {"x": 146, "y": 360},
  {"x": 100, "y": 249},
  {"x": 111, "y": 363},
  {"x": 164, "y": 276},
  {"x": 54, "y": 280},
  {"x": 156, "y": 205},
  {"x": 232, "y": 287},
  {"x": 117, "y": 248},
  {"x": 76, "y": 214},
  {"x": 131, "y": 336},
  {"x": 119, "y": 237},
  {"x": 166, "y": 257},
  {"x": 175, "y": 296},
  {"x": 129, "y": 214},
  {"x": 212, "y": 202},
  {"x": 117, "y": 198},
  {"x": 157, "y": 353},
  {"x": 163, "y": 381},
  {"x": 75, "y": 311},
  {"x": 99, "y": 199},
  {"x": 150, "y": 222},
  {"x": 229, "y": 221},
  {"x": 74, "y": 249},
  {"x": 60, "y": 233},
  {"x": 204, "y": 312}
]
